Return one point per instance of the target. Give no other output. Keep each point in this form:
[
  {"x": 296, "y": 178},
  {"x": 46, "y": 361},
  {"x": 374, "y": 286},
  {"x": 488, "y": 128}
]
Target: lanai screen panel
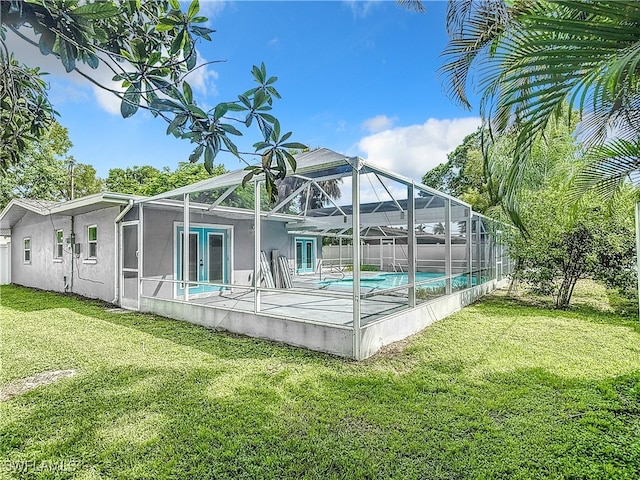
[
  {"x": 460, "y": 229},
  {"x": 423, "y": 244},
  {"x": 432, "y": 252},
  {"x": 482, "y": 250}
]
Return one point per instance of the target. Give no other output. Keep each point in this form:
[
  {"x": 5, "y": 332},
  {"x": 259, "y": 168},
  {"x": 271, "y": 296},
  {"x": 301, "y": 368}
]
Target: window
[
  {"x": 92, "y": 236},
  {"x": 59, "y": 243},
  {"x": 27, "y": 250}
]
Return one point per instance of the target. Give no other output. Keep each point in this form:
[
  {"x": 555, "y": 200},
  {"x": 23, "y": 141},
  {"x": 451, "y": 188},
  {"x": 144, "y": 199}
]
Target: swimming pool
[{"x": 390, "y": 280}]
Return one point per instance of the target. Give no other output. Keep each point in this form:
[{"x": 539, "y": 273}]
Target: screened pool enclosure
[{"x": 350, "y": 258}]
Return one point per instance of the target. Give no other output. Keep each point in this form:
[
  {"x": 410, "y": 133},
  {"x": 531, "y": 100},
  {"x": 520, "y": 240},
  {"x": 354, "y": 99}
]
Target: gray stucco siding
[
  {"x": 94, "y": 279},
  {"x": 159, "y": 245},
  {"x": 43, "y": 270}
]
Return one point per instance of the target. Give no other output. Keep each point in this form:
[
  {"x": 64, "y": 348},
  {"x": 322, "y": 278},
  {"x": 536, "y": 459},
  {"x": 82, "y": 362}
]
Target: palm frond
[
  {"x": 473, "y": 28},
  {"x": 609, "y": 167},
  {"x": 414, "y": 5}
]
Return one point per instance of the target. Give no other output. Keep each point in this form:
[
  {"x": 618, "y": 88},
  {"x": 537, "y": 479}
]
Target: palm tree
[
  {"x": 312, "y": 198},
  {"x": 439, "y": 229},
  {"x": 534, "y": 57}
]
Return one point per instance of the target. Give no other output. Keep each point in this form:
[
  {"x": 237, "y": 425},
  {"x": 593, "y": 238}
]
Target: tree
[
  {"x": 566, "y": 243},
  {"x": 134, "y": 180},
  {"x": 148, "y": 181},
  {"x": 150, "y": 46},
  {"x": 85, "y": 181},
  {"x": 532, "y": 57},
  {"x": 558, "y": 241},
  {"x": 439, "y": 229},
  {"x": 464, "y": 175},
  {"x": 44, "y": 173},
  {"x": 312, "y": 198}
]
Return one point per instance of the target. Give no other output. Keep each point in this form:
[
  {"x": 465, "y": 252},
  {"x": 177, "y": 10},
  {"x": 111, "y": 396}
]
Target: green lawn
[{"x": 499, "y": 390}]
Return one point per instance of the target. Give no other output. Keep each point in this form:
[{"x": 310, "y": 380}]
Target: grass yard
[{"x": 502, "y": 389}]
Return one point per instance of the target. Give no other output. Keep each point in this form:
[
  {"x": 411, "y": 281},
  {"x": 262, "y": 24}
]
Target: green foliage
[
  {"x": 132, "y": 180},
  {"x": 500, "y": 390},
  {"x": 430, "y": 293},
  {"x": 44, "y": 171},
  {"x": 556, "y": 242},
  {"x": 532, "y": 58},
  {"x": 311, "y": 198},
  {"x": 25, "y": 110},
  {"x": 147, "y": 180},
  {"x": 369, "y": 268},
  {"x": 464, "y": 175},
  {"x": 564, "y": 243},
  {"x": 363, "y": 268},
  {"x": 151, "y": 47}
]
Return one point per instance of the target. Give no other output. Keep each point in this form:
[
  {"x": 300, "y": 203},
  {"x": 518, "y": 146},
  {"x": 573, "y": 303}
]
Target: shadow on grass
[
  {"x": 22, "y": 299},
  {"x": 222, "y": 344},
  {"x": 171, "y": 423}
]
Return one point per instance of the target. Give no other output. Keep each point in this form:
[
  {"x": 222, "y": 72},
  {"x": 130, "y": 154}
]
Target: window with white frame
[
  {"x": 27, "y": 250},
  {"x": 92, "y": 241},
  {"x": 59, "y": 244}
]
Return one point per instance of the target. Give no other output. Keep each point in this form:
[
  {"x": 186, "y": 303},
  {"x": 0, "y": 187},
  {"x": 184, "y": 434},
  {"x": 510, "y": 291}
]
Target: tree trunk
[
  {"x": 566, "y": 291},
  {"x": 514, "y": 278}
]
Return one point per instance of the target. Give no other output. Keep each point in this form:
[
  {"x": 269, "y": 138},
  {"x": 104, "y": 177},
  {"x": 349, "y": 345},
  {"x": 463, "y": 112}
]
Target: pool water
[{"x": 390, "y": 280}]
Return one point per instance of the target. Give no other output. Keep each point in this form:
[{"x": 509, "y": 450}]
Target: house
[
  {"x": 65, "y": 247},
  {"x": 283, "y": 272}
]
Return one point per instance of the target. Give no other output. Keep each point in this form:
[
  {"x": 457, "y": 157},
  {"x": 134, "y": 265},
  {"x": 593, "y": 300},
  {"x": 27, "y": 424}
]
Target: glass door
[
  {"x": 195, "y": 260},
  {"x": 216, "y": 253},
  {"x": 209, "y": 259},
  {"x": 305, "y": 255}
]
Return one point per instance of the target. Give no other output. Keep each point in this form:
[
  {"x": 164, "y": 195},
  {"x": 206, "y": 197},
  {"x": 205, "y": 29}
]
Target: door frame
[
  {"x": 225, "y": 249},
  {"x": 193, "y": 289},
  {"x": 314, "y": 254},
  {"x": 203, "y": 229},
  {"x": 124, "y": 303}
]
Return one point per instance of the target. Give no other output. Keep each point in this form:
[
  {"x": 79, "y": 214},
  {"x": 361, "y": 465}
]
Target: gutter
[{"x": 116, "y": 277}]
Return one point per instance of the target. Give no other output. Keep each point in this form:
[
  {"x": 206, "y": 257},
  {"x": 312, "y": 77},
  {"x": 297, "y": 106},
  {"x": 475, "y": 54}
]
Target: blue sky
[{"x": 356, "y": 77}]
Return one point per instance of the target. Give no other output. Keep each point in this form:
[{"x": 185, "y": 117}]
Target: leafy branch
[{"x": 150, "y": 47}]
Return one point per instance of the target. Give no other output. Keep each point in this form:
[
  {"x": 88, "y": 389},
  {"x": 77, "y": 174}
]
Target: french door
[
  {"x": 305, "y": 255},
  {"x": 209, "y": 259}
]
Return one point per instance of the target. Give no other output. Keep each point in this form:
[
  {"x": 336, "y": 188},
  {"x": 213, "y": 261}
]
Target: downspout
[
  {"x": 72, "y": 236},
  {"x": 116, "y": 261}
]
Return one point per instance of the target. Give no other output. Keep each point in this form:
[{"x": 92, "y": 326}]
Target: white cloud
[
  {"x": 103, "y": 75},
  {"x": 210, "y": 8},
  {"x": 360, "y": 8},
  {"x": 30, "y": 55},
  {"x": 203, "y": 79},
  {"x": 412, "y": 151},
  {"x": 378, "y": 123},
  {"x": 372, "y": 191}
]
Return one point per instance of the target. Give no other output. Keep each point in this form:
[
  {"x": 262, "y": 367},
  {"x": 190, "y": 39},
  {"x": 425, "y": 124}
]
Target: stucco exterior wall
[
  {"x": 5, "y": 261},
  {"x": 159, "y": 245},
  {"x": 96, "y": 278},
  {"x": 93, "y": 278}
]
